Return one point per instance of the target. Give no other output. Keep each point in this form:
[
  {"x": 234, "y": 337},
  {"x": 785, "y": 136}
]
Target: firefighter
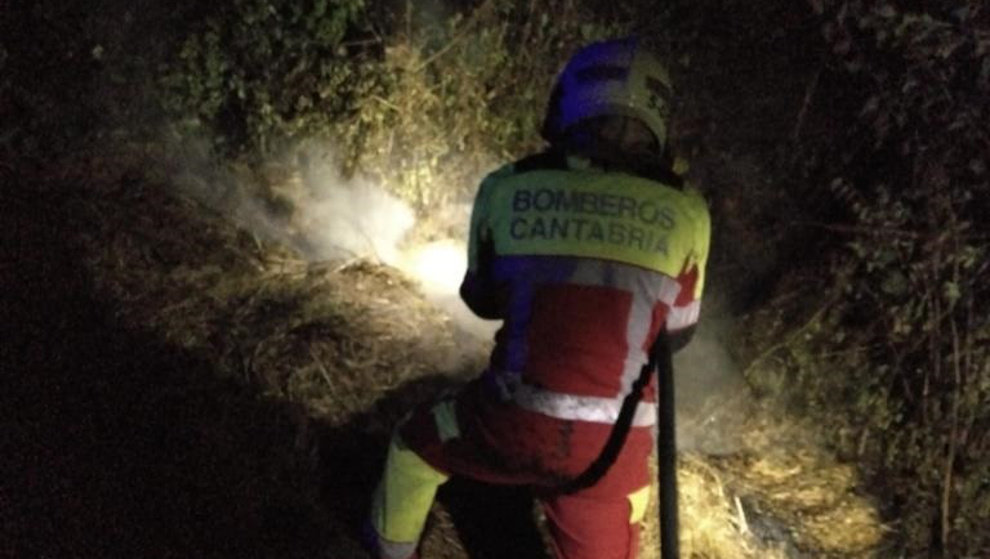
[{"x": 587, "y": 252}]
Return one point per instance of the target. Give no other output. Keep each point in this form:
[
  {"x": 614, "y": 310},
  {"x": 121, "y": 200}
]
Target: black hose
[
  {"x": 620, "y": 431},
  {"x": 661, "y": 360},
  {"x": 667, "y": 452}
]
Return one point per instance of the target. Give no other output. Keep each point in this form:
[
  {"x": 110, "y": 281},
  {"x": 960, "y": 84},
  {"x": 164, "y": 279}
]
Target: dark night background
[{"x": 146, "y": 411}]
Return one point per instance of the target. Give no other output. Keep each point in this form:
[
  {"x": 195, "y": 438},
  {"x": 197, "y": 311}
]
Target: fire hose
[
  {"x": 661, "y": 361},
  {"x": 667, "y": 451}
]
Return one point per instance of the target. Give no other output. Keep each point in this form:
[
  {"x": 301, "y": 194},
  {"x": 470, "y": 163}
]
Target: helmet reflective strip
[{"x": 657, "y": 87}]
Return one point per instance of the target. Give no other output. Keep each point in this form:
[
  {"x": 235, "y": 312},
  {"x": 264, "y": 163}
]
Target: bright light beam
[{"x": 439, "y": 266}]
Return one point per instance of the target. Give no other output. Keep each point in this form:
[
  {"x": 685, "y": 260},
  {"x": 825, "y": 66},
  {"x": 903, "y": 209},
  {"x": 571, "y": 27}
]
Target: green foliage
[
  {"x": 426, "y": 109},
  {"x": 468, "y": 93},
  {"x": 41, "y": 52},
  {"x": 896, "y": 368},
  {"x": 253, "y": 72},
  {"x": 73, "y": 74}
]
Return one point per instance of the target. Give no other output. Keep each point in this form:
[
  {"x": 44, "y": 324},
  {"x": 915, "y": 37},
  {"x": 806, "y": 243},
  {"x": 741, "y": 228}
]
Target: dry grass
[
  {"x": 337, "y": 336},
  {"x": 332, "y": 335},
  {"x": 799, "y": 495},
  {"x": 778, "y": 496}
]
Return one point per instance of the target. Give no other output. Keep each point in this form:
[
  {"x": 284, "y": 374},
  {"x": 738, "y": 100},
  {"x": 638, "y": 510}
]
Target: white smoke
[
  {"x": 713, "y": 399},
  {"x": 357, "y": 219},
  {"x": 361, "y": 219},
  {"x": 306, "y": 204}
]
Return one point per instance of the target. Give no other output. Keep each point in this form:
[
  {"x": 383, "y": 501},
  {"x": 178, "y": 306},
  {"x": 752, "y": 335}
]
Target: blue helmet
[{"x": 611, "y": 78}]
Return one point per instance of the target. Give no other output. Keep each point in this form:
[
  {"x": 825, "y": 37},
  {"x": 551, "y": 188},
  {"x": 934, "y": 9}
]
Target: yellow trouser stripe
[
  {"x": 638, "y": 502},
  {"x": 404, "y": 496}
]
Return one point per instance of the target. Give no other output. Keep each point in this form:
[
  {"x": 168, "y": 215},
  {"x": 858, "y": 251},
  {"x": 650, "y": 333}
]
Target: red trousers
[{"x": 473, "y": 434}]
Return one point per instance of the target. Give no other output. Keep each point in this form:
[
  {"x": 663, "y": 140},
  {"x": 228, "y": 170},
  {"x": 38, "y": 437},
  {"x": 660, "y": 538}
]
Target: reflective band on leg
[
  {"x": 638, "y": 501},
  {"x": 446, "y": 420},
  {"x": 580, "y": 408},
  {"x": 392, "y": 550},
  {"x": 402, "y": 499}
]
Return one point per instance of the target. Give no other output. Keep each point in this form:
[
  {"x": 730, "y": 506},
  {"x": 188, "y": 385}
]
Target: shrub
[
  {"x": 894, "y": 365},
  {"x": 254, "y": 72},
  {"x": 468, "y": 92},
  {"x": 425, "y": 108}
]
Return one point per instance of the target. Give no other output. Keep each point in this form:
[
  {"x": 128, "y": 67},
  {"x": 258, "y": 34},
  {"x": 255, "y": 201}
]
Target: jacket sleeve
[
  {"x": 479, "y": 290},
  {"x": 685, "y": 309}
]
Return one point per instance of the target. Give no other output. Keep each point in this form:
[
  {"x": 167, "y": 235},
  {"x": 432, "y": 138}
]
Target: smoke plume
[{"x": 304, "y": 202}]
